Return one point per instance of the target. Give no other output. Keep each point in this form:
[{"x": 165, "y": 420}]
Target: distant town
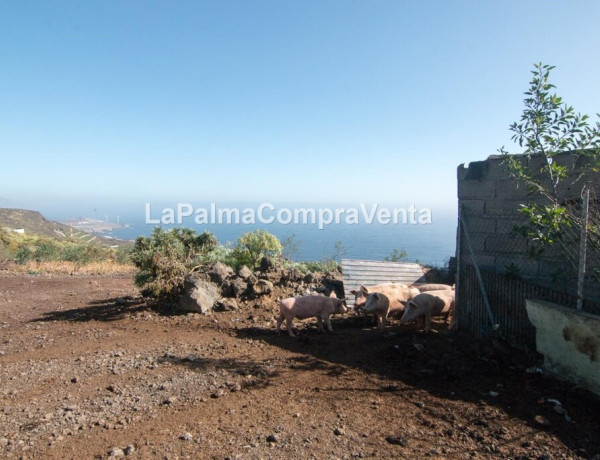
[{"x": 90, "y": 225}]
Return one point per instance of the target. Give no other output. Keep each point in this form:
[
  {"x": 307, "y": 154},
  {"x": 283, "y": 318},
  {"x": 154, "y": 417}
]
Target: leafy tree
[
  {"x": 549, "y": 127},
  {"x": 253, "y": 246}
]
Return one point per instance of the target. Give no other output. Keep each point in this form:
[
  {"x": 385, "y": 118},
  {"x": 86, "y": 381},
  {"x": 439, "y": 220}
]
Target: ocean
[{"x": 428, "y": 243}]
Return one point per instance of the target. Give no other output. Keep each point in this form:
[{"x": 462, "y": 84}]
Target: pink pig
[{"x": 310, "y": 306}]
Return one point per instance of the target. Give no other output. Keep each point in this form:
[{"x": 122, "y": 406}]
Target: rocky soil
[{"x": 89, "y": 370}]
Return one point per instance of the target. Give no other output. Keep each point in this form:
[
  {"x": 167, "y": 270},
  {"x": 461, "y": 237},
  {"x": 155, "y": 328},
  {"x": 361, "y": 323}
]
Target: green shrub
[
  {"x": 166, "y": 257},
  {"x": 122, "y": 255},
  {"x": 253, "y": 246},
  {"x": 47, "y": 250},
  {"x": 24, "y": 255}
]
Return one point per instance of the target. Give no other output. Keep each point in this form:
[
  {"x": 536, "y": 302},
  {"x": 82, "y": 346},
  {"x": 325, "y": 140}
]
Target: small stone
[
  {"x": 272, "y": 438},
  {"x": 420, "y": 404},
  {"x": 75, "y": 380},
  {"x": 116, "y": 452},
  {"x": 186, "y": 436},
  {"x": 396, "y": 440},
  {"x": 170, "y": 400},
  {"x": 217, "y": 394},
  {"x": 540, "y": 419},
  {"x": 494, "y": 393},
  {"x": 129, "y": 450},
  {"x": 70, "y": 408},
  {"x": 339, "y": 432}
]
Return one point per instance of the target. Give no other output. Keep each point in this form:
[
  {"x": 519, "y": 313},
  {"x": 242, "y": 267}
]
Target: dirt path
[{"x": 87, "y": 367}]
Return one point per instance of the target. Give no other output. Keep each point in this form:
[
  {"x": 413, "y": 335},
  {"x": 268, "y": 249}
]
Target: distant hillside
[{"x": 34, "y": 223}]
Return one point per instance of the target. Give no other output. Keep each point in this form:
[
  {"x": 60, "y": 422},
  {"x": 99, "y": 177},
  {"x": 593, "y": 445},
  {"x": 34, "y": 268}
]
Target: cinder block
[
  {"x": 501, "y": 206},
  {"x": 476, "y": 224},
  {"x": 476, "y": 189},
  {"x": 511, "y": 189},
  {"x": 505, "y": 244},
  {"x": 497, "y": 168},
  {"x": 506, "y": 225},
  {"x": 473, "y": 207},
  {"x": 486, "y": 262}
]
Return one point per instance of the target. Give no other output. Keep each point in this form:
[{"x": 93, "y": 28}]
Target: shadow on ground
[
  {"x": 112, "y": 309},
  {"x": 454, "y": 368}
]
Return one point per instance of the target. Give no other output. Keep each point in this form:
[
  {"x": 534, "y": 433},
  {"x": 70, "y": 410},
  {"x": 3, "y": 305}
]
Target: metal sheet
[{"x": 372, "y": 272}]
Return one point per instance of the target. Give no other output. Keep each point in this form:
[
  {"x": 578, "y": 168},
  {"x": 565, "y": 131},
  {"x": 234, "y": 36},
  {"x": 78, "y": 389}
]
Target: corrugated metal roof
[{"x": 372, "y": 272}]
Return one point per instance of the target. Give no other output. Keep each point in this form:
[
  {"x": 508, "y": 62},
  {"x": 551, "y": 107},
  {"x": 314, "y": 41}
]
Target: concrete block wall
[{"x": 490, "y": 199}]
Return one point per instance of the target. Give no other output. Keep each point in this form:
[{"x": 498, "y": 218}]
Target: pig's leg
[
  {"x": 382, "y": 320},
  {"x": 288, "y": 323},
  {"x": 328, "y": 323},
  {"x": 279, "y": 322},
  {"x": 427, "y": 322},
  {"x": 320, "y": 323}
]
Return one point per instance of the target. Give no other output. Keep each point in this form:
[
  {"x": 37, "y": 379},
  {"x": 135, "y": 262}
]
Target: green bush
[
  {"x": 253, "y": 246},
  {"x": 122, "y": 255},
  {"x": 24, "y": 255},
  {"x": 47, "y": 250},
  {"x": 166, "y": 257}
]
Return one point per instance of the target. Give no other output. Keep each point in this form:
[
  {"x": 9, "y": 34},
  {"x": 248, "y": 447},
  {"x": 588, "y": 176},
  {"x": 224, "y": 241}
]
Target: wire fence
[{"x": 499, "y": 267}]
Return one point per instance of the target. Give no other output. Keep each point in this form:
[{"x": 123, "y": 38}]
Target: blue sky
[{"x": 111, "y": 102}]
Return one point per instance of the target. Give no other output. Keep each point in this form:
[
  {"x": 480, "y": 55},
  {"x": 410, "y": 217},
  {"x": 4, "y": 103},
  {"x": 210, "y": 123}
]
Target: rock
[
  {"x": 541, "y": 420},
  {"x": 397, "y": 440},
  {"x": 75, "y": 380},
  {"x": 186, "y": 437},
  {"x": 334, "y": 281},
  {"x": 170, "y": 400},
  {"x": 245, "y": 273},
  {"x": 130, "y": 449},
  {"x": 494, "y": 393},
  {"x": 272, "y": 438},
  {"x": 339, "y": 432},
  {"x": 227, "y": 304},
  {"x": 121, "y": 301},
  {"x": 219, "y": 272},
  {"x": 238, "y": 287},
  {"x": 262, "y": 287},
  {"x": 267, "y": 264},
  {"x": 292, "y": 275},
  {"x": 116, "y": 452},
  {"x": 310, "y": 278},
  {"x": 200, "y": 296},
  {"x": 217, "y": 394}
]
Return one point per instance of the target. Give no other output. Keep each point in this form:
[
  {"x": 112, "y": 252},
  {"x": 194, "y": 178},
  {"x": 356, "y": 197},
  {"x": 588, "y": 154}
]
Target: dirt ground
[{"x": 89, "y": 370}]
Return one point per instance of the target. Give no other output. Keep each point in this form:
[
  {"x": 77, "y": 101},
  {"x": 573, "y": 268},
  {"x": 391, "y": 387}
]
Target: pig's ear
[
  {"x": 353, "y": 292},
  {"x": 376, "y": 295},
  {"x": 332, "y": 295},
  {"x": 403, "y": 302},
  {"x": 364, "y": 289}
]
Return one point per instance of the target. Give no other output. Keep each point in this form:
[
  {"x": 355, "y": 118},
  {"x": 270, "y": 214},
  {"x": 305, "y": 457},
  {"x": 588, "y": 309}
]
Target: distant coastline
[{"x": 97, "y": 226}]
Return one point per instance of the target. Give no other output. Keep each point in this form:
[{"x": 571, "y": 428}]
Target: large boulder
[
  {"x": 200, "y": 295},
  {"x": 262, "y": 287},
  {"x": 219, "y": 272},
  {"x": 267, "y": 264}
]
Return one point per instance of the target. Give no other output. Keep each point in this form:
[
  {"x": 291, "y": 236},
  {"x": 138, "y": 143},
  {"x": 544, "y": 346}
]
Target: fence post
[
  {"x": 457, "y": 298},
  {"x": 582, "y": 247}
]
